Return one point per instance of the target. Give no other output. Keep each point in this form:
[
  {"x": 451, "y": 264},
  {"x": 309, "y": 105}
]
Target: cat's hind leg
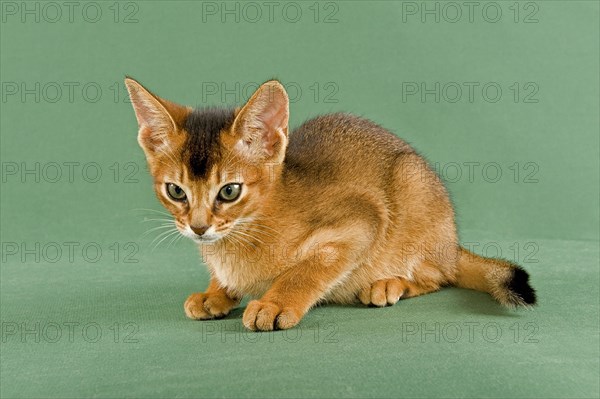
[
  {"x": 389, "y": 291},
  {"x": 382, "y": 292}
]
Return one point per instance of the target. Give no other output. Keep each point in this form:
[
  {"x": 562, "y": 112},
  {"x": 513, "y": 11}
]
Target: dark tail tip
[{"x": 519, "y": 286}]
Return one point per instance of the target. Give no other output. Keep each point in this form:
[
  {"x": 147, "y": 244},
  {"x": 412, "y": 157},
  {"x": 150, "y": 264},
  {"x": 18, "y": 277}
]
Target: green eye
[
  {"x": 175, "y": 192},
  {"x": 230, "y": 192}
]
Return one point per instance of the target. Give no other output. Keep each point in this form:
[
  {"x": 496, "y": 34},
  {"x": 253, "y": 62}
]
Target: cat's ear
[
  {"x": 158, "y": 119},
  {"x": 260, "y": 128}
]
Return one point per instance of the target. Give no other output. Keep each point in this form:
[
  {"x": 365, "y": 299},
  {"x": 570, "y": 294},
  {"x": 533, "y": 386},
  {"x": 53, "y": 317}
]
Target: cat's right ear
[
  {"x": 260, "y": 129},
  {"x": 158, "y": 119}
]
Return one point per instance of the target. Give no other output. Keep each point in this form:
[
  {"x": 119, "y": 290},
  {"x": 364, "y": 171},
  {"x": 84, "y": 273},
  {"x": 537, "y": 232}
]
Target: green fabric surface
[
  {"x": 124, "y": 305},
  {"x": 550, "y": 352}
]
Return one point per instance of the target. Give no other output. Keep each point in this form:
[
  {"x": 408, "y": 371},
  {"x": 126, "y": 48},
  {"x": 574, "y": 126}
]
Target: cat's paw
[
  {"x": 201, "y": 306},
  {"x": 382, "y": 292},
  {"x": 268, "y": 316}
]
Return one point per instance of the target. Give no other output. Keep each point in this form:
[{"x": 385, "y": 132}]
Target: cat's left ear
[
  {"x": 260, "y": 128},
  {"x": 158, "y": 119}
]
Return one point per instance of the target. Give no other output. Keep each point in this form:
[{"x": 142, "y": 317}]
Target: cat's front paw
[
  {"x": 201, "y": 306},
  {"x": 267, "y": 316}
]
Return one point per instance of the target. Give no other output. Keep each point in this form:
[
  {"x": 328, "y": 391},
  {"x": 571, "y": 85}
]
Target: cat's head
[{"x": 213, "y": 168}]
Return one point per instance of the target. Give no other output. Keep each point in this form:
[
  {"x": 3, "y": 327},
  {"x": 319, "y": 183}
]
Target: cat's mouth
[
  {"x": 206, "y": 240},
  {"x": 209, "y": 236}
]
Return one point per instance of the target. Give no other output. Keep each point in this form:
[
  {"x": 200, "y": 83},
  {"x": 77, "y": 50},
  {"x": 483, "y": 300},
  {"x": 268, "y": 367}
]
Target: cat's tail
[{"x": 505, "y": 281}]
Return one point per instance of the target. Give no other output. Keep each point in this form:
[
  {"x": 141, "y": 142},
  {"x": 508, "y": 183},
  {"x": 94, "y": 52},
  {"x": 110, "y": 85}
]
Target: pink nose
[{"x": 199, "y": 229}]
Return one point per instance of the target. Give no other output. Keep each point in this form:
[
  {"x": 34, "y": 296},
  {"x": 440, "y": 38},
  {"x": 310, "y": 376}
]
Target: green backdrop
[{"x": 502, "y": 97}]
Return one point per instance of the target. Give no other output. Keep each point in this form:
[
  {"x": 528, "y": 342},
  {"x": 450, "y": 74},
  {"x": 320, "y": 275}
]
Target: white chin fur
[{"x": 208, "y": 237}]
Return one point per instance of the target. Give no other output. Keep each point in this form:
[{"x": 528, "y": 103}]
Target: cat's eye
[
  {"x": 175, "y": 192},
  {"x": 230, "y": 192}
]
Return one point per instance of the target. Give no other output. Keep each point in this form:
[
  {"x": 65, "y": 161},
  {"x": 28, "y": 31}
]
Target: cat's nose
[{"x": 199, "y": 229}]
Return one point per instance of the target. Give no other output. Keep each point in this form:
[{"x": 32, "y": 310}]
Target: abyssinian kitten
[{"x": 338, "y": 211}]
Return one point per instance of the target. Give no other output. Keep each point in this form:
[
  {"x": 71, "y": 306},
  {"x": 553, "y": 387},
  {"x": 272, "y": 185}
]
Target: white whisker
[
  {"x": 250, "y": 236},
  {"x": 166, "y": 226},
  {"x": 236, "y": 241},
  {"x": 162, "y": 234},
  {"x": 174, "y": 240},
  {"x": 165, "y": 237},
  {"x": 157, "y": 220}
]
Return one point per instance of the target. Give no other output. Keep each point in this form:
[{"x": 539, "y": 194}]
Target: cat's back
[
  {"x": 343, "y": 131},
  {"x": 335, "y": 145}
]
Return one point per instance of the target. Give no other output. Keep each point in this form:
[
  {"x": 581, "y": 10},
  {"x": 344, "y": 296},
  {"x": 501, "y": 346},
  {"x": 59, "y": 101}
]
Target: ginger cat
[{"x": 338, "y": 211}]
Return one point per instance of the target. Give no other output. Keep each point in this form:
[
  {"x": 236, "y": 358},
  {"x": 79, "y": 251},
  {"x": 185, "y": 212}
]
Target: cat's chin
[{"x": 206, "y": 240}]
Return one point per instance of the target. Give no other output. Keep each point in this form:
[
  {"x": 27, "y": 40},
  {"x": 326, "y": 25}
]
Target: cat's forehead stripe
[{"x": 202, "y": 148}]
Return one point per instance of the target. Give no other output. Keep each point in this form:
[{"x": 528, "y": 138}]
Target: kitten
[{"x": 338, "y": 211}]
